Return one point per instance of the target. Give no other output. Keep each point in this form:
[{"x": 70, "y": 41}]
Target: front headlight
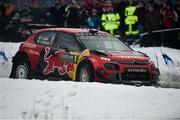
[{"x": 105, "y": 59}]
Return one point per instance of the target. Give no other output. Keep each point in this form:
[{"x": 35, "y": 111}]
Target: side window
[
  {"x": 66, "y": 40},
  {"x": 45, "y": 38}
]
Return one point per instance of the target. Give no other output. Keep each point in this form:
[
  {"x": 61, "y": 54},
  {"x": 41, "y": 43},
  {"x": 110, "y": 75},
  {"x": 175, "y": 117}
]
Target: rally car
[{"x": 81, "y": 55}]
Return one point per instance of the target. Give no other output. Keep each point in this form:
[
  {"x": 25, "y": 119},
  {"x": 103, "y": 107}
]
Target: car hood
[{"x": 126, "y": 55}]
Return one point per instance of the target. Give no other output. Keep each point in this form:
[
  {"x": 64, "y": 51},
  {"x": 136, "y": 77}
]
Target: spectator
[
  {"x": 177, "y": 9},
  {"x": 73, "y": 18},
  {"x": 152, "y": 22},
  {"x": 169, "y": 17},
  {"x": 110, "y": 19},
  {"x": 58, "y": 13},
  {"x": 26, "y": 14},
  {"x": 38, "y": 13},
  {"x": 121, "y": 10},
  {"x": 94, "y": 21},
  {"x": 2, "y": 9},
  {"x": 2, "y": 13},
  {"x": 141, "y": 13},
  {"x": 152, "y": 19},
  {"x": 169, "y": 21},
  {"x": 2, "y": 19},
  {"x": 10, "y": 9},
  {"x": 131, "y": 20},
  {"x": 163, "y": 6},
  {"x": 84, "y": 14},
  {"x": 11, "y": 29}
]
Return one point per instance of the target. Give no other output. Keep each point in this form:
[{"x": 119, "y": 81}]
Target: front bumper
[{"x": 129, "y": 78}]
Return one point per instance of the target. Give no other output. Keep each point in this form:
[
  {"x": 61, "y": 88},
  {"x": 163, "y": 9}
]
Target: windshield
[{"x": 103, "y": 42}]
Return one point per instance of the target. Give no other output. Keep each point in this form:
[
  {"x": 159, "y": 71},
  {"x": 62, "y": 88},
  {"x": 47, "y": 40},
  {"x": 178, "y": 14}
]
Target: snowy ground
[
  {"x": 34, "y": 99},
  {"x": 51, "y": 100}
]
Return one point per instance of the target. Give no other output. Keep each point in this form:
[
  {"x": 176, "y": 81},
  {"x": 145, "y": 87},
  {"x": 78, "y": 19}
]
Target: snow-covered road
[{"x": 51, "y": 100}]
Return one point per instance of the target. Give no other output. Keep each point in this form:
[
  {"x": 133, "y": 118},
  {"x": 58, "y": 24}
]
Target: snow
[
  {"x": 170, "y": 74},
  {"x": 10, "y": 50},
  {"x": 35, "y": 99},
  {"x": 51, "y": 100}
]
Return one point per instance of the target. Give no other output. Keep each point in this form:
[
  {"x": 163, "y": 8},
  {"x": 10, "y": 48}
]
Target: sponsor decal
[
  {"x": 136, "y": 70},
  {"x": 53, "y": 62},
  {"x": 69, "y": 58},
  {"x": 33, "y": 52},
  {"x": 29, "y": 45}
]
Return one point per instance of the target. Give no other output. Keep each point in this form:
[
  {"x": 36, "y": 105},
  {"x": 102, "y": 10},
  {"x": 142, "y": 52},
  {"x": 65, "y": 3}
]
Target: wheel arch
[
  {"x": 21, "y": 55},
  {"x": 81, "y": 64}
]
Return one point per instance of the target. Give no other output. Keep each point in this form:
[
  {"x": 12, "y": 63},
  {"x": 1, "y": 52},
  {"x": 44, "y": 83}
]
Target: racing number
[{"x": 69, "y": 58}]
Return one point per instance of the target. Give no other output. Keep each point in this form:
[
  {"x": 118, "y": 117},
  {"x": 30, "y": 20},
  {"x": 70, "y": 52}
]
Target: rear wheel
[
  {"x": 20, "y": 71},
  {"x": 86, "y": 73}
]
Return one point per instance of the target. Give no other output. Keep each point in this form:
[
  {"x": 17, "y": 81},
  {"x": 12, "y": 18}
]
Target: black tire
[
  {"x": 20, "y": 71},
  {"x": 156, "y": 81},
  {"x": 85, "y": 73}
]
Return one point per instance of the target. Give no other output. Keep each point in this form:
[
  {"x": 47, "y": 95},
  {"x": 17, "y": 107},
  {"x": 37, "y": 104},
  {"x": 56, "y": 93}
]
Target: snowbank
[
  {"x": 170, "y": 74},
  {"x": 50, "y": 100},
  {"x": 10, "y": 50}
]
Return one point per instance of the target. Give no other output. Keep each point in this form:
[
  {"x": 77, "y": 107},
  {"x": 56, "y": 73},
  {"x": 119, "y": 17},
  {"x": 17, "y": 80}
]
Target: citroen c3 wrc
[{"x": 81, "y": 55}]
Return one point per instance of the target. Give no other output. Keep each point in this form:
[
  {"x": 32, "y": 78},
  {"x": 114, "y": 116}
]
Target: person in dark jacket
[
  {"x": 177, "y": 9},
  {"x": 73, "y": 17},
  {"x": 2, "y": 10},
  {"x": 141, "y": 13},
  {"x": 58, "y": 13},
  {"x": 152, "y": 22},
  {"x": 121, "y": 10},
  {"x": 94, "y": 21},
  {"x": 26, "y": 14},
  {"x": 2, "y": 19},
  {"x": 84, "y": 14}
]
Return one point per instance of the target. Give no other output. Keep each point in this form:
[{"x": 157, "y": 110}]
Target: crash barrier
[{"x": 164, "y": 37}]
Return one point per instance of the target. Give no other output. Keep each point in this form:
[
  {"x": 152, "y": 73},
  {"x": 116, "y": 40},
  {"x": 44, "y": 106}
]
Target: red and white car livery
[{"x": 81, "y": 55}]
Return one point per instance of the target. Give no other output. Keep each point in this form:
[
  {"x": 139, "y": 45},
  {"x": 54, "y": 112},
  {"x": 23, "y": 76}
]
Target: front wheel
[
  {"x": 20, "y": 71},
  {"x": 86, "y": 74}
]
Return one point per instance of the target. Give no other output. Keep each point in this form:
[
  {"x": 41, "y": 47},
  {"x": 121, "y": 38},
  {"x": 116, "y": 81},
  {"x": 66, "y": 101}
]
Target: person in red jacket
[
  {"x": 169, "y": 21},
  {"x": 169, "y": 17}
]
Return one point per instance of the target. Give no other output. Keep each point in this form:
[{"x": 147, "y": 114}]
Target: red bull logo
[{"x": 54, "y": 62}]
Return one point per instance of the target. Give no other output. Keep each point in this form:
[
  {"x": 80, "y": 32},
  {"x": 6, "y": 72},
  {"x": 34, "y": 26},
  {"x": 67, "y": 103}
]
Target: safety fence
[{"x": 164, "y": 37}]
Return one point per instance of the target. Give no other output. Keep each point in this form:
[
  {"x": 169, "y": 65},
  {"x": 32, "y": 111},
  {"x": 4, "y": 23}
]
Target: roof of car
[{"x": 67, "y": 30}]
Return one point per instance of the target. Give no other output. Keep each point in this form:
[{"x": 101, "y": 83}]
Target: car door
[
  {"x": 47, "y": 57},
  {"x": 67, "y": 51},
  {"x": 58, "y": 56}
]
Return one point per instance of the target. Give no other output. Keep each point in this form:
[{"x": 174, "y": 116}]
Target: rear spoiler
[{"x": 33, "y": 27}]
